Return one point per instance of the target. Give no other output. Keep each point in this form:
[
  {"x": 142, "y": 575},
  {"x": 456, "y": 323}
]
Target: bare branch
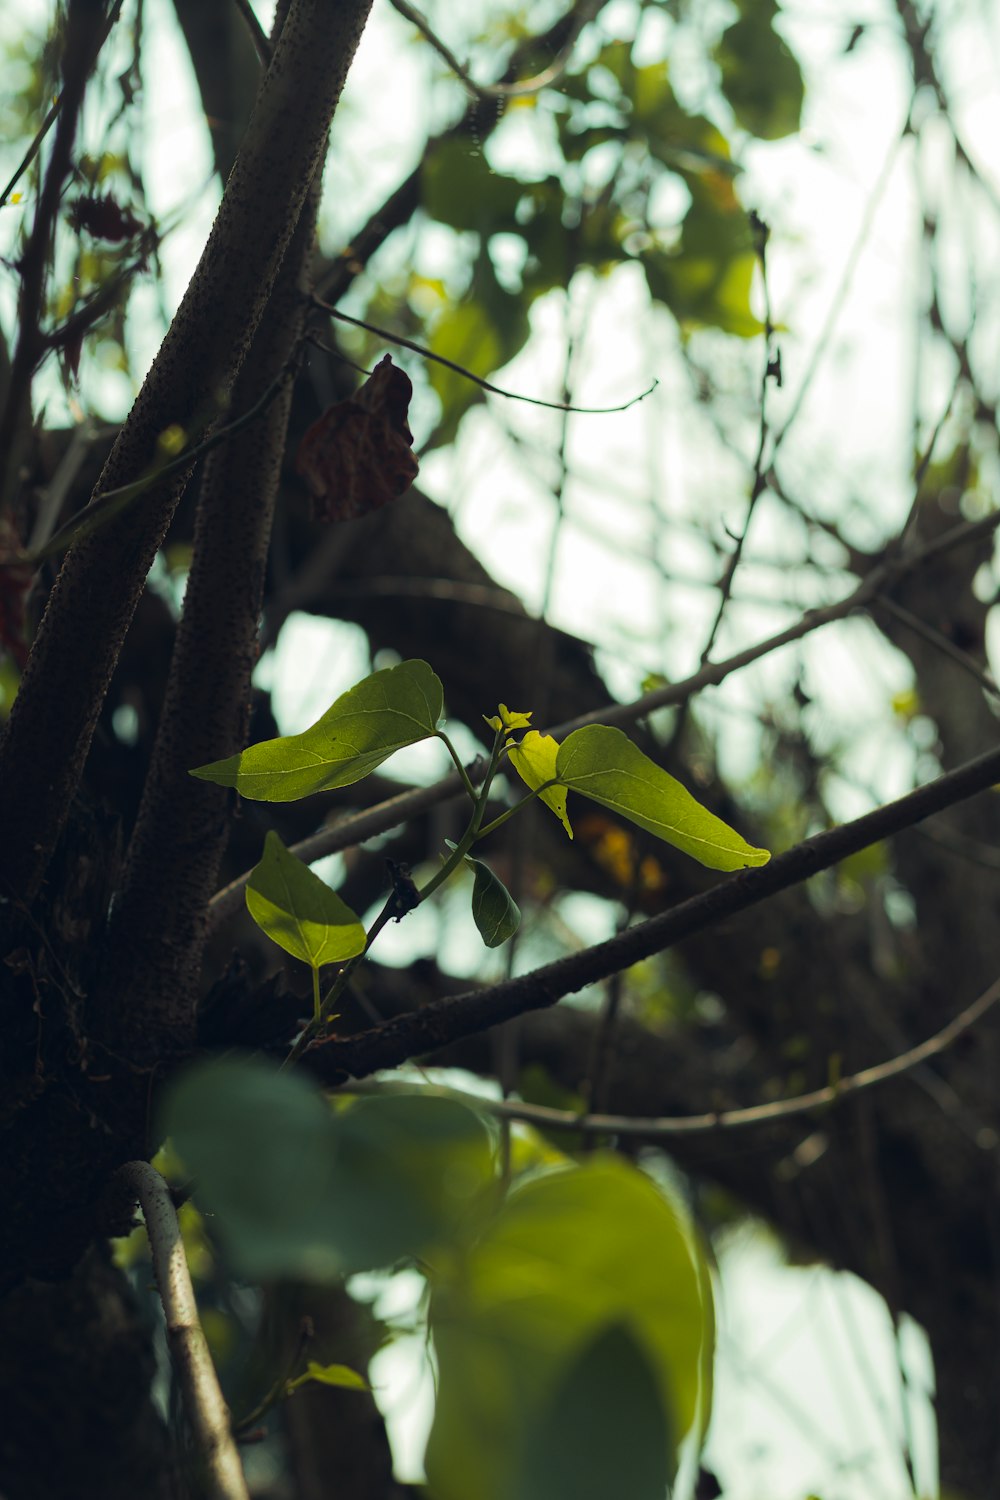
[
  {"x": 206, "y": 1410},
  {"x": 663, "y": 1127},
  {"x": 496, "y": 390},
  {"x": 579, "y": 16}
]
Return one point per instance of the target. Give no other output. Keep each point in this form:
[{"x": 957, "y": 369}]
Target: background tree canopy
[{"x": 399, "y": 414}]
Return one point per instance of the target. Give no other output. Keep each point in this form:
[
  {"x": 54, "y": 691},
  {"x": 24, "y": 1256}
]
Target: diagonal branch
[
  {"x": 666, "y": 1127},
  {"x": 446, "y": 1021},
  {"x": 172, "y": 863}
]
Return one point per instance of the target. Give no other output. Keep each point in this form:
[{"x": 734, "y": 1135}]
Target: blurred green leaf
[
  {"x": 412, "y": 1172},
  {"x": 760, "y": 77},
  {"x": 603, "y": 764},
  {"x": 584, "y": 1273},
  {"x": 494, "y": 909},
  {"x": 481, "y": 334},
  {"x": 259, "y": 1145},
  {"x": 392, "y": 708},
  {"x": 705, "y": 280},
  {"x": 605, "y": 1420},
  {"x": 460, "y": 188},
  {"x": 298, "y": 911},
  {"x": 295, "y": 1189}
]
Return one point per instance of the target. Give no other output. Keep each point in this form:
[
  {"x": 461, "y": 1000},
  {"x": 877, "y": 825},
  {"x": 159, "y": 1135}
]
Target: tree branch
[
  {"x": 172, "y": 863},
  {"x": 445, "y": 1021},
  {"x": 664, "y": 1127},
  {"x": 54, "y": 715}
]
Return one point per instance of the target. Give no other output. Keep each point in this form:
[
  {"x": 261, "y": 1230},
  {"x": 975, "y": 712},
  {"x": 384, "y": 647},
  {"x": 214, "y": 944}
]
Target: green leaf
[
  {"x": 706, "y": 279},
  {"x": 259, "y": 1145},
  {"x": 481, "y": 334},
  {"x": 581, "y": 1268},
  {"x": 341, "y": 1376},
  {"x": 292, "y": 1188},
  {"x": 412, "y": 1172},
  {"x": 534, "y": 760},
  {"x": 608, "y": 1404},
  {"x": 603, "y": 764},
  {"x": 460, "y": 188},
  {"x": 494, "y": 909},
  {"x": 392, "y": 708},
  {"x": 299, "y": 912},
  {"x": 759, "y": 76}
]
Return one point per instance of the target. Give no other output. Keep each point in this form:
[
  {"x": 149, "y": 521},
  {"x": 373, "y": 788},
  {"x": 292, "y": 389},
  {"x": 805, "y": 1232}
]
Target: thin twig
[
  {"x": 663, "y": 1126},
  {"x": 846, "y": 276},
  {"x": 527, "y": 86},
  {"x": 771, "y": 370},
  {"x": 206, "y": 1409},
  {"x": 32, "y": 150},
  {"x": 940, "y": 642},
  {"x": 258, "y": 35},
  {"x": 496, "y": 390}
]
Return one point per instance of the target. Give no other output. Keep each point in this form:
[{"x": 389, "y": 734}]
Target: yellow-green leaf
[
  {"x": 392, "y": 708},
  {"x": 534, "y": 760},
  {"x": 601, "y": 763},
  {"x": 300, "y": 912}
]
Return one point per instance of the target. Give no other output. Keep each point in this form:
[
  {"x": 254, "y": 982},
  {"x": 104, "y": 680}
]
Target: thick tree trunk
[{"x": 76, "y": 1370}]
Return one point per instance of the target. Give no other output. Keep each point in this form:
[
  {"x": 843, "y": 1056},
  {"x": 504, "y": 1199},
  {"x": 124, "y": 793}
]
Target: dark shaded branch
[
  {"x": 446, "y": 1021},
  {"x": 172, "y": 864},
  {"x": 50, "y": 729},
  {"x": 665, "y": 1127}
]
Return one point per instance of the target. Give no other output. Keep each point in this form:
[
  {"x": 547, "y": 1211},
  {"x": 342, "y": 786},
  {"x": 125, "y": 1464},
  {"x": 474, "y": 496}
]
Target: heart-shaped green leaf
[
  {"x": 601, "y": 763},
  {"x": 392, "y": 708},
  {"x": 494, "y": 909},
  {"x": 299, "y": 912}
]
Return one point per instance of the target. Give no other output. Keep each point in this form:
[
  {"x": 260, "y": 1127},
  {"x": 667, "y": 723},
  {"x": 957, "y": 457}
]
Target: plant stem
[
  {"x": 203, "y": 1401},
  {"x": 463, "y": 773}
]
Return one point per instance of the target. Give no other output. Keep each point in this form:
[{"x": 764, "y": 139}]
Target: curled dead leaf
[{"x": 358, "y": 456}]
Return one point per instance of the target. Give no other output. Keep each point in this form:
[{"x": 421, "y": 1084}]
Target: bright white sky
[{"x": 808, "y": 1396}]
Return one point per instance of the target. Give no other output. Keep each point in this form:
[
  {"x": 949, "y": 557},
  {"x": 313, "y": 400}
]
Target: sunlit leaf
[
  {"x": 603, "y": 764},
  {"x": 299, "y": 911},
  {"x": 392, "y": 708},
  {"x": 534, "y": 760}
]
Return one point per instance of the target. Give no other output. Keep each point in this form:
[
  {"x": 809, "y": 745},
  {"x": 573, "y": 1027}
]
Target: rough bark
[{"x": 48, "y": 736}]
